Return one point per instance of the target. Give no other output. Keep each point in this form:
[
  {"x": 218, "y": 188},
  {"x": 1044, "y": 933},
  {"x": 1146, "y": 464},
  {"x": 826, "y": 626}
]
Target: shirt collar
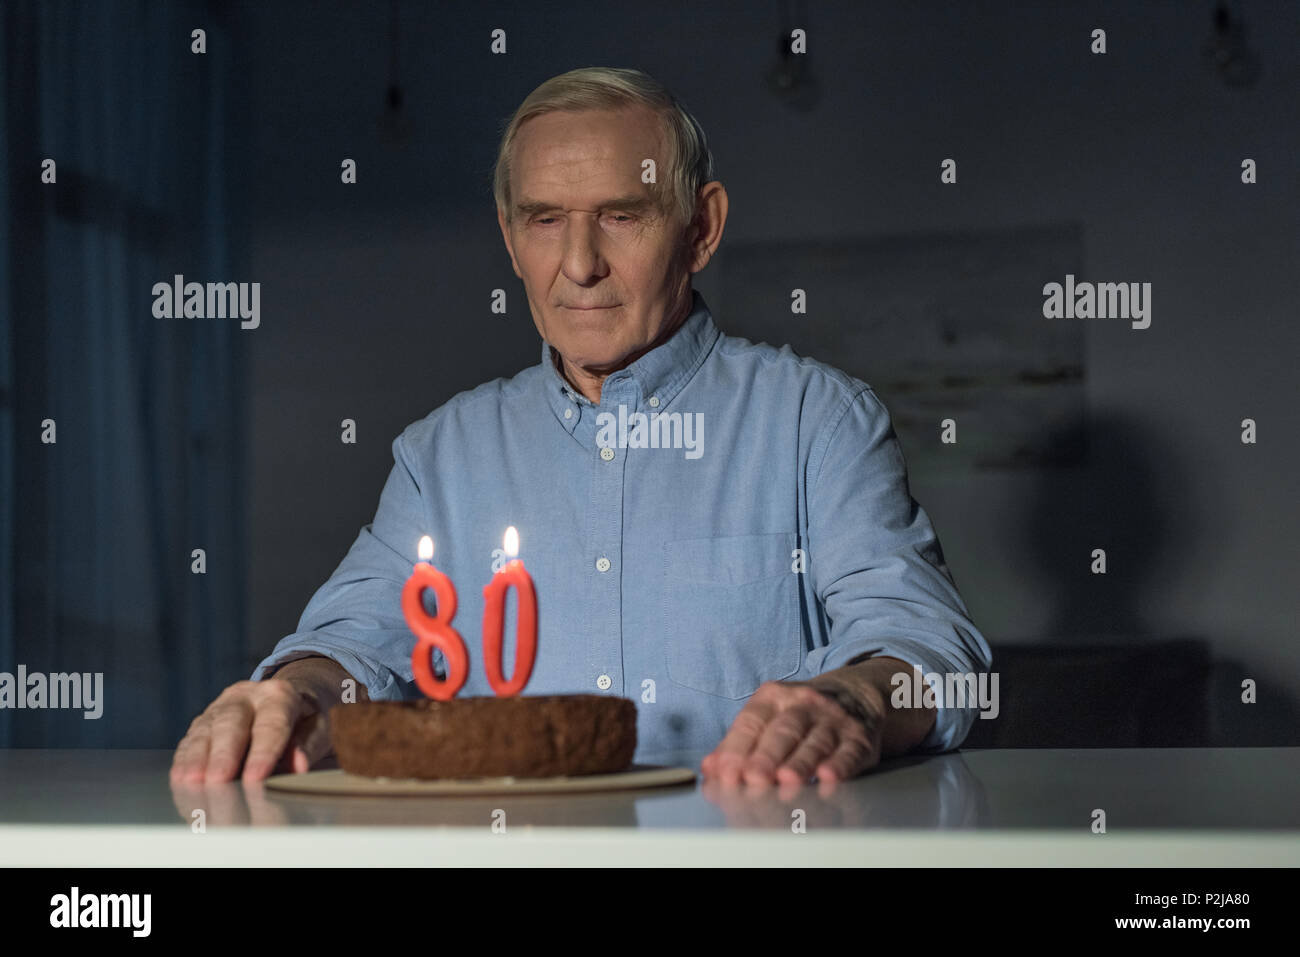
[{"x": 661, "y": 373}]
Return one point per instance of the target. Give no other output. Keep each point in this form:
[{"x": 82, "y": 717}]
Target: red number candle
[
  {"x": 434, "y": 631},
  {"x": 494, "y": 619}
]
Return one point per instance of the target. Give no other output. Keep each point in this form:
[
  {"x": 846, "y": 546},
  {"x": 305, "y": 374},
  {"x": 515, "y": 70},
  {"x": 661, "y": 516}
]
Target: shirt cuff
[{"x": 381, "y": 685}]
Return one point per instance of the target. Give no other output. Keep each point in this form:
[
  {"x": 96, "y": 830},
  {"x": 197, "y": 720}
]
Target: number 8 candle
[
  {"x": 494, "y": 618},
  {"x": 434, "y": 632}
]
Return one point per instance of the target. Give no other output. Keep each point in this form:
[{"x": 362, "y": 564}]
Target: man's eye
[
  {"x": 622, "y": 218},
  {"x": 543, "y": 220}
]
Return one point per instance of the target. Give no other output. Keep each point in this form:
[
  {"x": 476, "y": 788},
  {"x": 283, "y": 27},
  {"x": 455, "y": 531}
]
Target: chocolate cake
[{"x": 518, "y": 736}]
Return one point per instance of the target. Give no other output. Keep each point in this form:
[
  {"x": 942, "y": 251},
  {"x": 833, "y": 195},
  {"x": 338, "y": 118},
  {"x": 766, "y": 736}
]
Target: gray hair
[{"x": 690, "y": 164}]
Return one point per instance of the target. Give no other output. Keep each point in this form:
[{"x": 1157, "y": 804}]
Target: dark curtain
[{"x": 97, "y": 529}]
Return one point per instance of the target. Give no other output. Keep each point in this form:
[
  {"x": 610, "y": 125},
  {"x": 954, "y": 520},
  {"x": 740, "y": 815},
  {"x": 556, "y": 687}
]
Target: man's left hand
[{"x": 789, "y": 731}]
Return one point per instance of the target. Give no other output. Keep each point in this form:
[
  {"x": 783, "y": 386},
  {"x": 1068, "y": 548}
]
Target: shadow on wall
[
  {"x": 1106, "y": 674},
  {"x": 1132, "y": 499}
]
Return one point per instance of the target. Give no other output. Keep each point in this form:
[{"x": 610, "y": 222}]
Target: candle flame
[
  {"x": 512, "y": 541},
  {"x": 426, "y": 548}
]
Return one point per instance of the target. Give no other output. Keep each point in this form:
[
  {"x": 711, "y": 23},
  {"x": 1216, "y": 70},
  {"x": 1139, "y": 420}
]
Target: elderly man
[{"x": 720, "y": 530}]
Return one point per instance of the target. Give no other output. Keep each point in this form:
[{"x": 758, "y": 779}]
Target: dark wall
[
  {"x": 380, "y": 303},
  {"x": 375, "y": 299}
]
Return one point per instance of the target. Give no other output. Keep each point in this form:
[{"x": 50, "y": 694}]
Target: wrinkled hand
[
  {"x": 789, "y": 731},
  {"x": 273, "y": 720}
]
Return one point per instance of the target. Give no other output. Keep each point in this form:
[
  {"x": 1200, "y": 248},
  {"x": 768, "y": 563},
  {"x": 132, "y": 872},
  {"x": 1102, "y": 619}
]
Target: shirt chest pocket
[{"x": 731, "y": 612}]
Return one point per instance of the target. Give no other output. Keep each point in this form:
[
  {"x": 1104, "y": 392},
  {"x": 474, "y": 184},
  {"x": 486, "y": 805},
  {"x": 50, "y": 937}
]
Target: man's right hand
[{"x": 263, "y": 725}]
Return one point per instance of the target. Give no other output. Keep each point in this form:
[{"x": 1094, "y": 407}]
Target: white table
[{"x": 1184, "y": 807}]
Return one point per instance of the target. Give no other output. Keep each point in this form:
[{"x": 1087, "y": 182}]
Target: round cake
[{"x": 525, "y": 737}]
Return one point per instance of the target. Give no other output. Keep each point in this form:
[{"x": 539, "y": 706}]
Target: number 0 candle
[
  {"x": 434, "y": 631},
  {"x": 494, "y": 621}
]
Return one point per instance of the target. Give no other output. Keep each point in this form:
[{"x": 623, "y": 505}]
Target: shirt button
[
  {"x": 603, "y": 682},
  {"x": 654, "y": 401},
  {"x": 607, "y": 453},
  {"x": 568, "y": 413},
  {"x": 602, "y": 564}
]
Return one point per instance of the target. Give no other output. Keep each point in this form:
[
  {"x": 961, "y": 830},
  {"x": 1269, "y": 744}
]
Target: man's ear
[
  {"x": 505, "y": 234},
  {"x": 710, "y": 218}
]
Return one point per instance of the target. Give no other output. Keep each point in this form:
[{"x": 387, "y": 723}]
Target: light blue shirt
[{"x": 769, "y": 534}]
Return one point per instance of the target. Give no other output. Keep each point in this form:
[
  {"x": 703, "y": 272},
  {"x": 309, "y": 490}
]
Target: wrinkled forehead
[{"x": 591, "y": 148}]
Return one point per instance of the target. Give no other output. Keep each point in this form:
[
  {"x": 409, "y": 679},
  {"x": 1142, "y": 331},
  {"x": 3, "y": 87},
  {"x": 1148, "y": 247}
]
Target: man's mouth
[{"x": 589, "y": 308}]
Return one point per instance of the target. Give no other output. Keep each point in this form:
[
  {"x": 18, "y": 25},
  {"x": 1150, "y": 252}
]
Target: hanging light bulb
[
  {"x": 395, "y": 121},
  {"x": 1226, "y": 52}
]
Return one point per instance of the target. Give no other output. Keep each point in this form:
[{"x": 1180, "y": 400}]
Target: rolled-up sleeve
[
  {"x": 355, "y": 617},
  {"x": 878, "y": 567}
]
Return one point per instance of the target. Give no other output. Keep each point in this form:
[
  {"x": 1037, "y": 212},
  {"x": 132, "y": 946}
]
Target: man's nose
[{"x": 583, "y": 261}]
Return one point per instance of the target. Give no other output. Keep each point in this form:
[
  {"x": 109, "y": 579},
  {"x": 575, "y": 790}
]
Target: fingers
[
  {"x": 788, "y": 733},
  {"x": 230, "y": 730},
  {"x": 853, "y": 755},
  {"x": 728, "y": 758},
  {"x": 272, "y": 727},
  {"x": 191, "y": 757},
  {"x": 817, "y": 745},
  {"x": 260, "y": 719},
  {"x": 782, "y": 735}
]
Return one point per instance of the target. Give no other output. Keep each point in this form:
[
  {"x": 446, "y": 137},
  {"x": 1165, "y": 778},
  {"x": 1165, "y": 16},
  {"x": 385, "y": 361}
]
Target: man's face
[{"x": 603, "y": 267}]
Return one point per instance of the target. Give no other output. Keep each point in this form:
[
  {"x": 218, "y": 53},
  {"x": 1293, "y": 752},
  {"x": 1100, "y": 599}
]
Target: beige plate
[{"x": 338, "y": 781}]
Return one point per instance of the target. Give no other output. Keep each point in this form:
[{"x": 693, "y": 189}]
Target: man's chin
[
  {"x": 598, "y": 364},
  {"x": 595, "y": 357},
  {"x": 593, "y": 347}
]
